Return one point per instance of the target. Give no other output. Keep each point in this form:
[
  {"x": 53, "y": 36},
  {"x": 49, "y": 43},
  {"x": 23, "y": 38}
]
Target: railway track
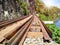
[
  {"x": 12, "y": 28},
  {"x": 37, "y": 34},
  {"x": 25, "y": 32}
]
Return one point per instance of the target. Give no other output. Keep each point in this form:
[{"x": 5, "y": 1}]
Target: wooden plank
[{"x": 35, "y": 34}]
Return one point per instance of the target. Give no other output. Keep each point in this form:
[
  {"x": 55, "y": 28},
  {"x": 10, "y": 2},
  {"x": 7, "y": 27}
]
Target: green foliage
[
  {"x": 49, "y": 18},
  {"x": 16, "y": 15},
  {"x": 56, "y": 32},
  {"x": 39, "y": 6},
  {"x": 42, "y": 16},
  {"x": 24, "y": 8},
  {"x": 45, "y": 18}
]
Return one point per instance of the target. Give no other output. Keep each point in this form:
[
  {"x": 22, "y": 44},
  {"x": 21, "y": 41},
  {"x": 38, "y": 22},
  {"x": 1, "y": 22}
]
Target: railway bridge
[{"x": 27, "y": 30}]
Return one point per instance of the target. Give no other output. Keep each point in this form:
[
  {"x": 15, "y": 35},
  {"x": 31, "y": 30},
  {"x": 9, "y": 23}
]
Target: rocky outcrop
[{"x": 9, "y": 9}]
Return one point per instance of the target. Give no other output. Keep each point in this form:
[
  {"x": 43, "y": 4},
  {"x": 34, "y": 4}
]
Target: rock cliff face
[
  {"x": 9, "y": 9},
  {"x": 32, "y": 6}
]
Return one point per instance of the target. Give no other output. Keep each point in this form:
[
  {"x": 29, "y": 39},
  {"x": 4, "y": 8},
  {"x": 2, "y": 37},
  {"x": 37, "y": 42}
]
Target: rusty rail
[
  {"x": 12, "y": 33},
  {"x": 18, "y": 36},
  {"x": 5, "y": 23},
  {"x": 46, "y": 31}
]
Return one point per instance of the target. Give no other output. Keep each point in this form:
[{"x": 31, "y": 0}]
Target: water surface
[{"x": 58, "y": 23}]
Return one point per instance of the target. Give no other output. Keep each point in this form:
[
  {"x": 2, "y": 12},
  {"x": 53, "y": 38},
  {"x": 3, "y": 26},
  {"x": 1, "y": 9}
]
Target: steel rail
[
  {"x": 5, "y": 23},
  {"x": 45, "y": 30},
  {"x": 10, "y": 34},
  {"x": 15, "y": 39}
]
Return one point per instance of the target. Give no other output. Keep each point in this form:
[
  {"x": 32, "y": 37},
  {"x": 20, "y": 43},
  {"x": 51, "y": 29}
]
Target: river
[{"x": 58, "y": 23}]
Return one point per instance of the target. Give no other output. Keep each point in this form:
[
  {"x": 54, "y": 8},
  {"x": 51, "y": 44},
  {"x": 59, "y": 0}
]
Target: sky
[{"x": 50, "y": 3}]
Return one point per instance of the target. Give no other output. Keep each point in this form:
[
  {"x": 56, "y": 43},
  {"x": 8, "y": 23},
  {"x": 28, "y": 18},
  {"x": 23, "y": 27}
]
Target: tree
[
  {"x": 24, "y": 8},
  {"x": 39, "y": 6}
]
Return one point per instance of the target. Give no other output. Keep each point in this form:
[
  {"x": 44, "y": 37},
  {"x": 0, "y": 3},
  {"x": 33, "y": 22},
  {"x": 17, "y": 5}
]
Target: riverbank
[{"x": 55, "y": 31}]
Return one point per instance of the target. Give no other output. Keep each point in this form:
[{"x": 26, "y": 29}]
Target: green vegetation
[
  {"x": 52, "y": 13},
  {"x": 43, "y": 17},
  {"x": 15, "y": 15},
  {"x": 24, "y": 8},
  {"x": 55, "y": 31},
  {"x": 49, "y": 18},
  {"x": 39, "y": 6}
]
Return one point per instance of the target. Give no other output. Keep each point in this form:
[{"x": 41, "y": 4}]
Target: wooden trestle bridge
[{"x": 16, "y": 31}]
